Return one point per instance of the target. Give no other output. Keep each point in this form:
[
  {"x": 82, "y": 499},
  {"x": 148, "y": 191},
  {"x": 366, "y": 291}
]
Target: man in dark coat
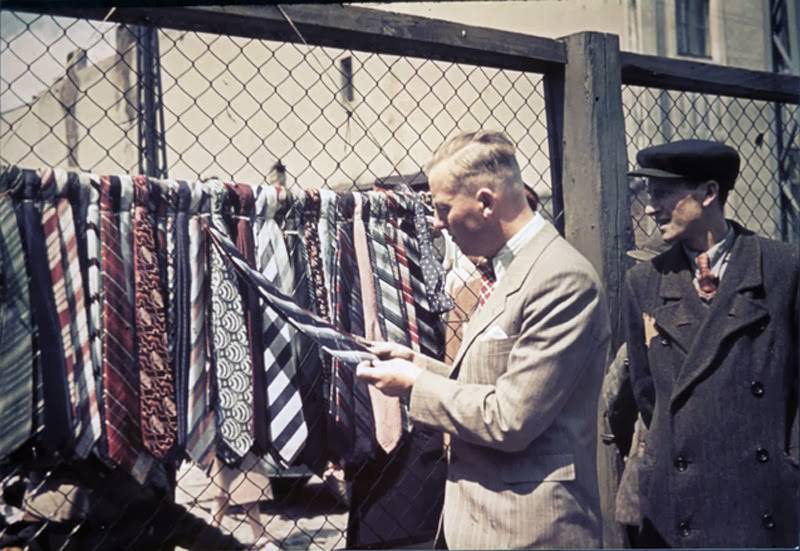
[{"x": 712, "y": 333}]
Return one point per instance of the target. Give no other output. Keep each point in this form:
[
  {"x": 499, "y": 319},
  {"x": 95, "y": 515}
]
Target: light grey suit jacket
[{"x": 521, "y": 410}]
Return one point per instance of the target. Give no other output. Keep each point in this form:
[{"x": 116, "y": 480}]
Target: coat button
[
  {"x": 684, "y": 529},
  {"x": 664, "y": 341},
  {"x": 757, "y": 388},
  {"x": 767, "y": 521},
  {"x": 680, "y": 463},
  {"x": 761, "y": 455}
]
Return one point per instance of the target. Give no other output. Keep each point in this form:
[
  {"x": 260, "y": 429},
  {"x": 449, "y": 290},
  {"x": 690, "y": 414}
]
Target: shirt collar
[{"x": 515, "y": 244}]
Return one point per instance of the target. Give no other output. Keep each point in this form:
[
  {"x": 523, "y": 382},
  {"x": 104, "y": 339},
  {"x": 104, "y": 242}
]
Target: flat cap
[{"x": 693, "y": 160}]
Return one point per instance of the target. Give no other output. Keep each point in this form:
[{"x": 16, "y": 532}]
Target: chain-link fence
[
  {"x": 114, "y": 99},
  {"x": 764, "y": 133}
]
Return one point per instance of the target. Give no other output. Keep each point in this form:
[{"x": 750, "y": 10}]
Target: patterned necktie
[
  {"x": 121, "y": 392},
  {"x": 234, "y": 370},
  {"x": 385, "y": 409},
  {"x": 432, "y": 270},
  {"x": 68, "y": 292},
  {"x": 200, "y": 424},
  {"x": 156, "y": 381},
  {"x": 288, "y": 430},
  {"x": 16, "y": 346},
  {"x": 707, "y": 282},
  {"x": 252, "y": 310},
  {"x": 487, "y": 280}
]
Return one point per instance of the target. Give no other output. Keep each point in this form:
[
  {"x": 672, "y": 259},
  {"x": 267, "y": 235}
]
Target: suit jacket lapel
[
  {"x": 511, "y": 283},
  {"x": 733, "y": 309}
]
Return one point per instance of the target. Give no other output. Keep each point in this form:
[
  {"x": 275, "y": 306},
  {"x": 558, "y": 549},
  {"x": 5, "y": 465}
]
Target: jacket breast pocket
[
  {"x": 539, "y": 468},
  {"x": 495, "y": 348}
]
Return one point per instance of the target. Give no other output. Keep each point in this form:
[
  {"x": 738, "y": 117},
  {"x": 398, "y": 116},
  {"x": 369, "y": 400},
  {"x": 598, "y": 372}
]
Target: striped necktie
[
  {"x": 231, "y": 353},
  {"x": 157, "y": 386},
  {"x": 68, "y": 292},
  {"x": 181, "y": 309},
  {"x": 57, "y": 429},
  {"x": 121, "y": 392},
  {"x": 287, "y": 426},
  {"x": 385, "y": 409},
  {"x": 90, "y": 199},
  {"x": 430, "y": 333},
  {"x": 352, "y": 425},
  {"x": 339, "y": 345},
  {"x": 201, "y": 427},
  {"x": 16, "y": 346}
]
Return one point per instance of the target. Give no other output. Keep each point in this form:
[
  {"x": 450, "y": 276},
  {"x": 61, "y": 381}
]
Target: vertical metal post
[{"x": 152, "y": 147}]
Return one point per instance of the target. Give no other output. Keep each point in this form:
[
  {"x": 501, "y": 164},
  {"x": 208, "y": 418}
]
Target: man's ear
[
  {"x": 486, "y": 198},
  {"x": 712, "y": 192}
]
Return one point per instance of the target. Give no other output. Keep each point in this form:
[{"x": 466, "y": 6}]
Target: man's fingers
[{"x": 367, "y": 373}]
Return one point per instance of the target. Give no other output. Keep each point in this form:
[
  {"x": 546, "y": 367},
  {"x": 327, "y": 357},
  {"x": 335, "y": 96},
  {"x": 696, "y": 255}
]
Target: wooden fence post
[{"x": 597, "y": 217}]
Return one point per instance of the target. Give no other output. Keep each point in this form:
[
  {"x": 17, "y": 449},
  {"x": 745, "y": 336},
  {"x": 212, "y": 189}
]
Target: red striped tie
[
  {"x": 487, "y": 280},
  {"x": 121, "y": 391}
]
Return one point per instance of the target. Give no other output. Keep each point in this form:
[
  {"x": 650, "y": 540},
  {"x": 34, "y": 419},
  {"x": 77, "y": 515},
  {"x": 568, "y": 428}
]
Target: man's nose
[{"x": 438, "y": 223}]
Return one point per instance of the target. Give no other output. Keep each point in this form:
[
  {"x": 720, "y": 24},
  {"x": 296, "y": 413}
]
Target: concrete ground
[{"x": 307, "y": 516}]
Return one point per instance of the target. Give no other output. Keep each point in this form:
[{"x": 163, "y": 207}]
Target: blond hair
[{"x": 476, "y": 159}]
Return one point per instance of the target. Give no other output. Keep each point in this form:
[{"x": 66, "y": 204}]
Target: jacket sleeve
[
  {"x": 433, "y": 365},
  {"x": 641, "y": 378},
  {"x": 564, "y": 326}
]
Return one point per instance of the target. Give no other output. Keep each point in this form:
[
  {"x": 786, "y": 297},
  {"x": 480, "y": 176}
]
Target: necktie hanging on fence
[
  {"x": 234, "y": 376},
  {"x": 16, "y": 346},
  {"x": 288, "y": 430},
  {"x": 432, "y": 271},
  {"x": 430, "y": 333},
  {"x": 68, "y": 292},
  {"x": 253, "y": 319},
  {"x": 305, "y": 350},
  {"x": 121, "y": 395},
  {"x": 157, "y": 387},
  {"x": 90, "y": 203},
  {"x": 56, "y": 432},
  {"x": 385, "y": 409},
  {"x": 311, "y": 375},
  {"x": 200, "y": 422},
  {"x": 182, "y": 311},
  {"x": 335, "y": 343}
]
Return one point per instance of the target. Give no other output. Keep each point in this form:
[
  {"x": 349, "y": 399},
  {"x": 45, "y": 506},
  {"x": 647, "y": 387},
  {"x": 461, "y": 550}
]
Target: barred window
[{"x": 691, "y": 25}]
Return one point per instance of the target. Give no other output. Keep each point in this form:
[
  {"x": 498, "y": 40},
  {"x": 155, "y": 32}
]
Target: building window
[{"x": 691, "y": 24}]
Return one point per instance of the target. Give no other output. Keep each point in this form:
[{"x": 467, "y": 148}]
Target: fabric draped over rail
[{"x": 152, "y": 321}]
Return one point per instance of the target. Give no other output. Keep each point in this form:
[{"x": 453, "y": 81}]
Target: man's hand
[
  {"x": 391, "y": 350},
  {"x": 392, "y": 377}
]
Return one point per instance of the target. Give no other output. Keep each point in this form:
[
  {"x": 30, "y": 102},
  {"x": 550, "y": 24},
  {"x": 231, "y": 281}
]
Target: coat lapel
[
  {"x": 512, "y": 281},
  {"x": 681, "y": 314},
  {"x": 733, "y": 309}
]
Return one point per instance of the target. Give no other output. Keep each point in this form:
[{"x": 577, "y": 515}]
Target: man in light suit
[{"x": 519, "y": 401}]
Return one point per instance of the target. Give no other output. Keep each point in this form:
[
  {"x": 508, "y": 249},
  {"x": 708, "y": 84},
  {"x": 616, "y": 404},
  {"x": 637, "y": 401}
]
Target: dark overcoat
[{"x": 717, "y": 385}]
